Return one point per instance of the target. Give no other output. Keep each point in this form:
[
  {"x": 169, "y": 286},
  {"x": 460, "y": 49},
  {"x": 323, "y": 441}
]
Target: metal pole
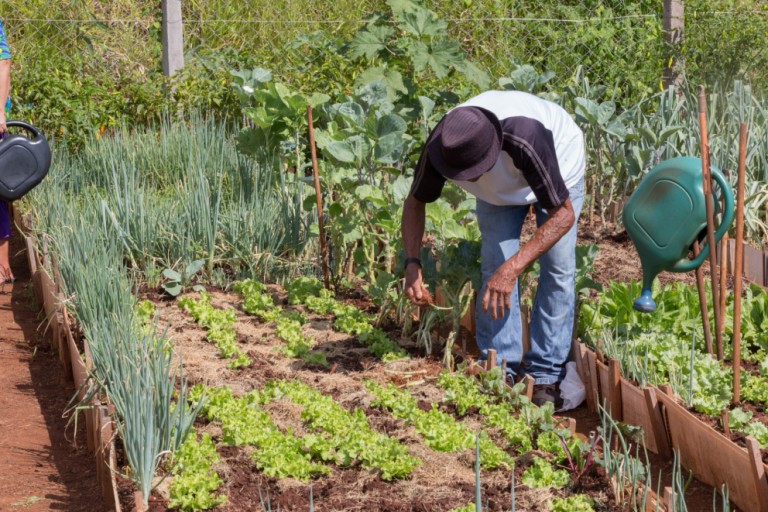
[
  {"x": 706, "y": 178},
  {"x": 319, "y": 197},
  {"x": 173, "y": 37},
  {"x": 738, "y": 265}
]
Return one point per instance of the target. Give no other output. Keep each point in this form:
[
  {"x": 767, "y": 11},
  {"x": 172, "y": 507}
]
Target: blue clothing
[
  {"x": 5, "y": 218},
  {"x": 553, "y": 306},
  {"x": 5, "y": 53}
]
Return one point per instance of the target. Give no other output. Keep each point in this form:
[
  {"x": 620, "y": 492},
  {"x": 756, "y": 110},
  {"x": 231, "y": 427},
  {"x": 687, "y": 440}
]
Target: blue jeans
[{"x": 553, "y": 306}]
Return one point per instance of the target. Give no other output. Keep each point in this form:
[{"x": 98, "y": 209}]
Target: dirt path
[{"x": 40, "y": 468}]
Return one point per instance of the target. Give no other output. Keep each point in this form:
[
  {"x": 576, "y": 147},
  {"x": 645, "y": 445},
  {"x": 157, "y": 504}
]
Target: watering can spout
[
  {"x": 645, "y": 303},
  {"x": 665, "y": 216}
]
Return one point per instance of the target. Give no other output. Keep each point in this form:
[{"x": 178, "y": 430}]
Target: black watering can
[{"x": 24, "y": 161}]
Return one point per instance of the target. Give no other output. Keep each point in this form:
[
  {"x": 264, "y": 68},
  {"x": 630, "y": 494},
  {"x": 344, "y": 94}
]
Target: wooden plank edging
[
  {"x": 758, "y": 471},
  {"x": 614, "y": 387},
  {"x": 634, "y": 411},
  {"x": 712, "y": 458},
  {"x": 658, "y": 428},
  {"x": 594, "y": 387}
]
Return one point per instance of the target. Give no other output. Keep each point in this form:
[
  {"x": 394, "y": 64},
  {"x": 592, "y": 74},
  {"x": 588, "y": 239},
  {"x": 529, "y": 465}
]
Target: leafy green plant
[
  {"x": 176, "y": 281},
  {"x": 145, "y": 310},
  {"x": 256, "y": 301},
  {"x": 440, "y": 431},
  {"x": 195, "y": 481},
  {"x": 496, "y": 410},
  {"x": 524, "y": 77},
  {"x": 575, "y": 503},
  {"x": 219, "y": 325},
  {"x": 540, "y": 474},
  {"x": 413, "y": 37},
  {"x": 277, "y": 113},
  {"x": 245, "y": 422},
  {"x": 288, "y": 324},
  {"x": 345, "y": 437},
  {"x": 629, "y": 475},
  {"x": 580, "y": 455},
  {"x": 739, "y": 420},
  {"x": 298, "y": 344},
  {"x": 652, "y": 348},
  {"x": 302, "y": 288}
]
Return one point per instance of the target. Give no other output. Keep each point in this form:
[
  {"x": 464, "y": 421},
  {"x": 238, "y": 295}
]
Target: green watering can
[{"x": 666, "y": 214}]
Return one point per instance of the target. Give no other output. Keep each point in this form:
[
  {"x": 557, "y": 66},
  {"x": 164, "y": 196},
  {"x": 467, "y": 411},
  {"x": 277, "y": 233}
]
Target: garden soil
[
  {"x": 42, "y": 469},
  {"x": 442, "y": 482},
  {"x": 41, "y": 465}
]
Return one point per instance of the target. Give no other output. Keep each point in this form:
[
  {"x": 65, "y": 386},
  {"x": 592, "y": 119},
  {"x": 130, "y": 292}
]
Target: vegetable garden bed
[
  {"x": 349, "y": 365},
  {"x": 394, "y": 398},
  {"x": 720, "y": 444},
  {"x": 264, "y": 356}
]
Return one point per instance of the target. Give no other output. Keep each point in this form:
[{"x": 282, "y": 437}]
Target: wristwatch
[{"x": 408, "y": 261}]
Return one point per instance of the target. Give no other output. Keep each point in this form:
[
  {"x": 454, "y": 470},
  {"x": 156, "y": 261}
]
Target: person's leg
[
  {"x": 553, "y": 306},
  {"x": 5, "y": 236},
  {"x": 500, "y": 228}
]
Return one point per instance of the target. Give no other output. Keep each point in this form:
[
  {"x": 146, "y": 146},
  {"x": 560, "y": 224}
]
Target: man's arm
[
  {"x": 500, "y": 286},
  {"x": 5, "y": 88},
  {"x": 413, "y": 232}
]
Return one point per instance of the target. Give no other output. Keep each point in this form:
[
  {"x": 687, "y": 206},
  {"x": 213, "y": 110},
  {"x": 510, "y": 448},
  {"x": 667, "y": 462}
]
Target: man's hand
[
  {"x": 3, "y": 126},
  {"x": 414, "y": 286},
  {"x": 498, "y": 291}
]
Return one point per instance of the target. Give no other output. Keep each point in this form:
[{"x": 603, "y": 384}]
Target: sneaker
[{"x": 547, "y": 393}]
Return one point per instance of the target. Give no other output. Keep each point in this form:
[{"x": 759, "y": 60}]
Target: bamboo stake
[
  {"x": 706, "y": 178},
  {"x": 703, "y": 301},
  {"x": 319, "y": 197},
  {"x": 738, "y": 265},
  {"x": 723, "y": 267}
]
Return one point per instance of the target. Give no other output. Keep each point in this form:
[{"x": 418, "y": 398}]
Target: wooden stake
[
  {"x": 723, "y": 268},
  {"x": 706, "y": 178},
  {"x": 319, "y": 197},
  {"x": 703, "y": 301},
  {"x": 528, "y": 380},
  {"x": 491, "y": 358},
  {"x": 739, "y": 265},
  {"x": 724, "y": 418}
]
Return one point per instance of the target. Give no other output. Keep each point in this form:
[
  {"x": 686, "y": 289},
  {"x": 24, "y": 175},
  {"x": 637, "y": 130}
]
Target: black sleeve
[
  {"x": 427, "y": 182},
  {"x": 532, "y": 148}
]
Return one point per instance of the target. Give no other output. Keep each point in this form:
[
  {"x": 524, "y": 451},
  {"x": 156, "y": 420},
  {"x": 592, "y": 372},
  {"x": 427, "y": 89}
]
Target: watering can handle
[
  {"x": 26, "y": 126},
  {"x": 686, "y": 265}
]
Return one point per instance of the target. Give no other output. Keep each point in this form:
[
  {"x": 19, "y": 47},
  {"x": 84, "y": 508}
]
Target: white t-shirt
[{"x": 542, "y": 154}]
